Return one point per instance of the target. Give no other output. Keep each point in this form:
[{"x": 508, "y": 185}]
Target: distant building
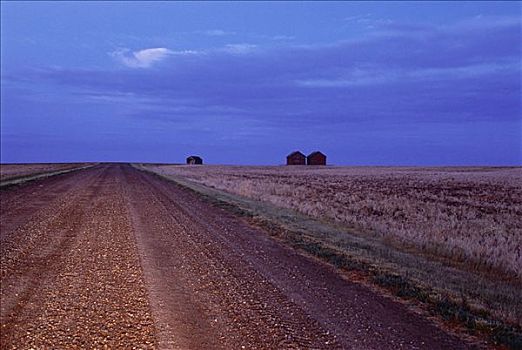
[
  {"x": 194, "y": 160},
  {"x": 316, "y": 158},
  {"x": 296, "y": 158}
]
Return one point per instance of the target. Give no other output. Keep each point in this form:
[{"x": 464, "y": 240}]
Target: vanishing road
[{"x": 114, "y": 257}]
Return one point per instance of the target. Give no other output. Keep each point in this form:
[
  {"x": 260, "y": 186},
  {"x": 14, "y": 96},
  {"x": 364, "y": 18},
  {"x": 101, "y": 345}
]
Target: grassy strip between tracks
[
  {"x": 481, "y": 304},
  {"x": 23, "y": 179}
]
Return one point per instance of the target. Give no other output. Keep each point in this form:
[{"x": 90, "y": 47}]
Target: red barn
[
  {"x": 296, "y": 158},
  {"x": 316, "y": 158}
]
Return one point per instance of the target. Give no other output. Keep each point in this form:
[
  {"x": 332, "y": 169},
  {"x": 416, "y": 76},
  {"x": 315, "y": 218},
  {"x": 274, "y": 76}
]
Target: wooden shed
[
  {"x": 316, "y": 158},
  {"x": 296, "y": 158},
  {"x": 194, "y": 160}
]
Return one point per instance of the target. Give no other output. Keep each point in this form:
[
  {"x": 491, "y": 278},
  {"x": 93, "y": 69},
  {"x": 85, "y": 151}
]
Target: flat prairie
[{"x": 469, "y": 214}]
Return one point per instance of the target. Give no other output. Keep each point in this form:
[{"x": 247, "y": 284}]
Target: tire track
[
  {"x": 20, "y": 203},
  {"x": 78, "y": 283},
  {"x": 231, "y": 292}
]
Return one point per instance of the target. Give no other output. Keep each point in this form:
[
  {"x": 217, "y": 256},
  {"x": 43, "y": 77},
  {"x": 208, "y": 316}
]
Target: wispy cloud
[
  {"x": 146, "y": 58},
  {"x": 367, "y": 21},
  {"x": 283, "y": 37},
  {"x": 451, "y": 75},
  {"x": 375, "y": 76},
  {"x": 239, "y": 49},
  {"x": 217, "y": 32},
  {"x": 481, "y": 22},
  {"x": 141, "y": 59}
]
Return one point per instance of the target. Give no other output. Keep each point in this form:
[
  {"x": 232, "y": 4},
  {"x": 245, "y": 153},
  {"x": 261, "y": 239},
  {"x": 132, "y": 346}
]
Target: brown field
[
  {"x": 472, "y": 215},
  {"x": 13, "y": 171}
]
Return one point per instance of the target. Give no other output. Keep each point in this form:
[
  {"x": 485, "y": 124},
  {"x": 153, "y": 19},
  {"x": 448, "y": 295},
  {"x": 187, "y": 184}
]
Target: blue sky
[{"x": 367, "y": 83}]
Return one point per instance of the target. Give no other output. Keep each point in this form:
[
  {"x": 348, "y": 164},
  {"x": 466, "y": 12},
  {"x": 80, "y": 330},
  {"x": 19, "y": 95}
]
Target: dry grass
[
  {"x": 12, "y": 171},
  {"x": 469, "y": 215}
]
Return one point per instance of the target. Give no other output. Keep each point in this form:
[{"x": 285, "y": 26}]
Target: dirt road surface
[{"x": 114, "y": 257}]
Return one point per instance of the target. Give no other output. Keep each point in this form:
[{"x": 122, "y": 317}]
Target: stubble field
[{"x": 469, "y": 215}]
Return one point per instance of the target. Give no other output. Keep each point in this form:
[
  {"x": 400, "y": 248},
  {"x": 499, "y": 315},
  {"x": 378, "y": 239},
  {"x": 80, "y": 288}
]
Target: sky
[{"x": 366, "y": 83}]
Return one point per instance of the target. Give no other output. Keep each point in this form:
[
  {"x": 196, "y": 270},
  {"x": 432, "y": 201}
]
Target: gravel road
[{"x": 117, "y": 258}]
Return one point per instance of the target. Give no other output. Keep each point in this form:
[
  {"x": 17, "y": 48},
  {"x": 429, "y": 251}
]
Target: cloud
[
  {"x": 283, "y": 37},
  {"x": 143, "y": 58},
  {"x": 217, "y": 32},
  {"x": 239, "y": 49},
  {"x": 367, "y": 21},
  {"x": 483, "y": 23},
  {"x": 411, "y": 74},
  {"x": 146, "y": 58},
  {"x": 377, "y": 76}
]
